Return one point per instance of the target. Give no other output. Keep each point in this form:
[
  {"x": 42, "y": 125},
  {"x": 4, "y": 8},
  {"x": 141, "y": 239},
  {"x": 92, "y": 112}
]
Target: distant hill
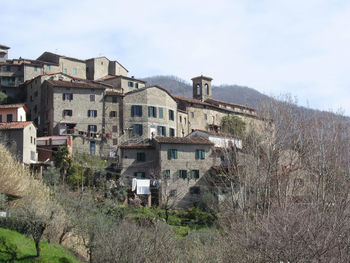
[{"x": 230, "y": 93}]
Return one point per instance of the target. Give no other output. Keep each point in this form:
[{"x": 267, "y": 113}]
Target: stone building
[
  {"x": 101, "y": 67},
  {"x": 123, "y": 82},
  {"x": 150, "y": 112},
  {"x": 205, "y": 113},
  {"x": 178, "y": 164},
  {"x": 20, "y": 139}
]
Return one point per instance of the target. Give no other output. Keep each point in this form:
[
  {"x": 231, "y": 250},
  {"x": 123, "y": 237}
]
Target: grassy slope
[{"x": 26, "y": 250}]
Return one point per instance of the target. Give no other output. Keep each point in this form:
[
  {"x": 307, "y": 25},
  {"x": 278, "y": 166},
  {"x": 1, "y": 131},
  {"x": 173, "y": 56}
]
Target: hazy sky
[{"x": 300, "y": 47}]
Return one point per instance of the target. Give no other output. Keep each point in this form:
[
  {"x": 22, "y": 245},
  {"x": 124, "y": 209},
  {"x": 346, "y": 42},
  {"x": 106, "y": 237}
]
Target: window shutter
[
  {"x": 197, "y": 154},
  {"x": 175, "y": 154},
  {"x": 95, "y": 113},
  {"x": 203, "y": 154},
  {"x": 71, "y": 96},
  {"x": 155, "y": 112},
  {"x": 141, "y": 132},
  {"x": 132, "y": 110},
  {"x": 149, "y": 111},
  {"x": 179, "y": 173},
  {"x": 169, "y": 154},
  {"x": 63, "y": 97},
  {"x": 88, "y": 113}
]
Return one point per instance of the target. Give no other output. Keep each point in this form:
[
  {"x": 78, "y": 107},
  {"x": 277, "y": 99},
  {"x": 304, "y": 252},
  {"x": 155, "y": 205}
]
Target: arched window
[
  {"x": 198, "y": 89},
  {"x": 207, "y": 88}
]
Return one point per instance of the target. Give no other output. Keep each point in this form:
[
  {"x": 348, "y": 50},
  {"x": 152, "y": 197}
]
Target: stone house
[
  {"x": 125, "y": 83},
  {"x": 20, "y": 139},
  {"x": 150, "y": 112},
  {"x": 178, "y": 164},
  {"x": 80, "y": 109},
  {"x": 13, "y": 112},
  {"x": 68, "y": 65},
  {"x": 205, "y": 113},
  {"x": 101, "y": 67},
  {"x": 33, "y": 94}
]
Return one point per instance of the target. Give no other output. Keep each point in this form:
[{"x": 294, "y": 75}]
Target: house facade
[
  {"x": 20, "y": 139},
  {"x": 13, "y": 112}
]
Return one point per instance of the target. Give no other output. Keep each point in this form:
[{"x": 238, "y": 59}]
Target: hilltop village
[{"x": 162, "y": 145}]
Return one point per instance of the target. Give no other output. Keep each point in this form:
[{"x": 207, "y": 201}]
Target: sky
[{"x": 295, "y": 47}]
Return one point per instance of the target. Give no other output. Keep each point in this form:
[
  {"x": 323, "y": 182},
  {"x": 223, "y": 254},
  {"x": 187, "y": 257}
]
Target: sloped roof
[
  {"x": 4, "y": 47},
  {"x": 219, "y": 134},
  {"x": 57, "y": 56},
  {"x": 107, "y": 77},
  {"x": 182, "y": 140},
  {"x": 69, "y": 84},
  {"x": 16, "y": 125},
  {"x": 13, "y": 106},
  {"x": 218, "y": 102}
]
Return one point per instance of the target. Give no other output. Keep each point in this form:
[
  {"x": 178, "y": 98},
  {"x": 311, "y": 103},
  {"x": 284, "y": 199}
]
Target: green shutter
[
  {"x": 203, "y": 154},
  {"x": 197, "y": 154},
  {"x": 175, "y": 154},
  {"x": 169, "y": 154},
  {"x": 179, "y": 173}
]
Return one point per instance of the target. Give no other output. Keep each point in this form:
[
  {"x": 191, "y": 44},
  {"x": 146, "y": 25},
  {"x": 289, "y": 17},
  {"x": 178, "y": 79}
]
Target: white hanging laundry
[
  {"x": 143, "y": 186},
  {"x": 133, "y": 184}
]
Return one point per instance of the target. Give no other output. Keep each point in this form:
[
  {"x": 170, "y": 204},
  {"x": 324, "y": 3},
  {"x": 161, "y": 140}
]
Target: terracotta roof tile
[
  {"x": 17, "y": 125},
  {"x": 182, "y": 140},
  {"x": 11, "y": 106},
  {"x": 68, "y": 84}
]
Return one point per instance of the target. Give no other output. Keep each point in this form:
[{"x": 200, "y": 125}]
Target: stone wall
[{"x": 155, "y": 97}]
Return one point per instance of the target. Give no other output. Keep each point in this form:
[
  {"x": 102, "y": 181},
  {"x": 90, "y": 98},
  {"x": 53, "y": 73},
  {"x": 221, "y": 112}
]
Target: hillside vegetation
[{"x": 15, "y": 247}]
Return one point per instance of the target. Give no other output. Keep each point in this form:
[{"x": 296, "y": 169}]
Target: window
[
  {"x": 114, "y": 99},
  {"x": 185, "y": 120},
  {"x": 171, "y": 115},
  {"x": 182, "y": 174},
  {"x": 130, "y": 84},
  {"x": 8, "y": 68},
  {"x": 115, "y": 128},
  {"x": 35, "y": 109},
  {"x": 136, "y": 110},
  {"x": 35, "y": 68},
  {"x": 115, "y": 141},
  {"x": 74, "y": 71},
  {"x": 161, "y": 131},
  {"x": 152, "y": 111},
  {"x": 137, "y": 129},
  {"x": 9, "y": 117},
  {"x": 92, "y": 148},
  {"x": 92, "y": 113},
  {"x": 92, "y": 97},
  {"x": 172, "y": 193},
  {"x": 137, "y": 85},
  {"x": 172, "y": 154},
  {"x": 140, "y": 175},
  {"x": 205, "y": 116},
  {"x": 67, "y": 113},
  {"x": 180, "y": 119},
  {"x": 140, "y": 157},
  {"x": 171, "y": 132},
  {"x": 192, "y": 114},
  {"x": 36, "y": 94},
  {"x": 65, "y": 71},
  {"x": 31, "y": 139},
  {"x": 166, "y": 174},
  {"x": 200, "y": 154},
  {"x": 113, "y": 114},
  {"x": 67, "y": 96},
  {"x": 194, "y": 174},
  {"x": 48, "y": 67},
  {"x": 198, "y": 87},
  {"x": 195, "y": 190},
  {"x": 206, "y": 88},
  {"x": 160, "y": 113},
  {"x": 0, "y": 118},
  {"x": 34, "y": 141},
  {"x": 92, "y": 128}
]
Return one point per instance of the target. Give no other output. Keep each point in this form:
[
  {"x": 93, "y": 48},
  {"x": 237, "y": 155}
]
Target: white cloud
[{"x": 276, "y": 46}]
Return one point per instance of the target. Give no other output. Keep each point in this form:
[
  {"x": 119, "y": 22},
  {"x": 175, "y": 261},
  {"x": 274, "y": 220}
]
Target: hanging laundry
[
  {"x": 143, "y": 186},
  {"x": 133, "y": 184}
]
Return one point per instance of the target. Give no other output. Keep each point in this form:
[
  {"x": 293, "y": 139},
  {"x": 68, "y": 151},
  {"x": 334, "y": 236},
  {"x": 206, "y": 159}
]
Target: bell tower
[{"x": 202, "y": 88}]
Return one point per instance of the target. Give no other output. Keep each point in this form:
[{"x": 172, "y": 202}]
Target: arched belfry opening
[{"x": 202, "y": 88}]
